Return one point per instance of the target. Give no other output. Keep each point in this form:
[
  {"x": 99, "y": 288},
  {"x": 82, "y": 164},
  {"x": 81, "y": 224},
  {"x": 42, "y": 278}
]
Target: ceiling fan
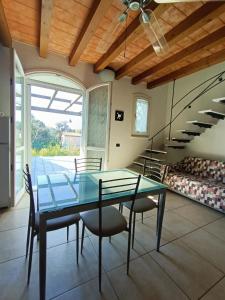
[{"x": 149, "y": 21}]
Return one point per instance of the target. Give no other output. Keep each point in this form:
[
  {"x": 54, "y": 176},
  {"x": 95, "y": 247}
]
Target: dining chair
[
  {"x": 108, "y": 221},
  {"x": 86, "y": 164},
  {"x": 156, "y": 172},
  {"x": 52, "y": 224}
]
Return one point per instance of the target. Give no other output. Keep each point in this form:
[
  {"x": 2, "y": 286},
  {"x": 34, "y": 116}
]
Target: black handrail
[{"x": 214, "y": 83}]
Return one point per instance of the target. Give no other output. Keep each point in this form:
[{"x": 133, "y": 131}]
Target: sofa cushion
[
  {"x": 203, "y": 168},
  {"x": 207, "y": 191}
]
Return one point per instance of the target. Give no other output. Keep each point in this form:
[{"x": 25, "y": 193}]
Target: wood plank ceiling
[{"x": 85, "y": 30}]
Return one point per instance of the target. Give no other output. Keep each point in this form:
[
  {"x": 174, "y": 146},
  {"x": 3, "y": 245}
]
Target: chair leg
[
  {"x": 28, "y": 237},
  {"x": 30, "y": 256},
  {"x": 157, "y": 221},
  {"x": 100, "y": 264},
  {"x": 133, "y": 230},
  {"x": 142, "y": 217},
  {"x": 110, "y": 239},
  {"x": 77, "y": 241},
  {"x": 82, "y": 238},
  {"x": 67, "y": 234},
  {"x": 128, "y": 251},
  {"x": 121, "y": 208}
]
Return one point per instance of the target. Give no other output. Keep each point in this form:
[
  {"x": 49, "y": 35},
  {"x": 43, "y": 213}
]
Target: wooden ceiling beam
[
  {"x": 203, "y": 63},
  {"x": 46, "y": 16},
  {"x": 5, "y": 36},
  {"x": 196, "y": 20},
  {"x": 127, "y": 36},
  {"x": 205, "y": 43},
  {"x": 97, "y": 12}
]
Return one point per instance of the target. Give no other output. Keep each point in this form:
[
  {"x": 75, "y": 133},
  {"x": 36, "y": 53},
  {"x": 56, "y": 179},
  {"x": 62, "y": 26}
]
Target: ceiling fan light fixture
[
  {"x": 134, "y": 5},
  {"x": 123, "y": 17},
  {"x": 145, "y": 17},
  {"x": 154, "y": 32}
]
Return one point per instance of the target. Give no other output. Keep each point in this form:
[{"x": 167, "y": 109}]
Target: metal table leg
[
  {"x": 162, "y": 200},
  {"x": 42, "y": 257}
]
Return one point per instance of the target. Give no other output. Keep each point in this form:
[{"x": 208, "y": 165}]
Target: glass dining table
[{"x": 67, "y": 193}]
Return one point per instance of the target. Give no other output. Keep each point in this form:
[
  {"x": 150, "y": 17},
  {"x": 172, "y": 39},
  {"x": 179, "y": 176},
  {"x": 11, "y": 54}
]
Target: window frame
[{"x": 134, "y": 133}]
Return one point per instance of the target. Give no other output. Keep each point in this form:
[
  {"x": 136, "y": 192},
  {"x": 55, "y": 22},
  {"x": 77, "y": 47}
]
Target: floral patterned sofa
[{"x": 200, "y": 179}]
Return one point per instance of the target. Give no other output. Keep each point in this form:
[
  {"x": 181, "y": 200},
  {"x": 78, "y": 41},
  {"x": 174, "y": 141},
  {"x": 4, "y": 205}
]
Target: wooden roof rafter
[
  {"x": 128, "y": 35},
  {"x": 97, "y": 11},
  {"x": 203, "y": 63},
  {"x": 197, "y": 19},
  {"x": 5, "y": 36},
  {"x": 211, "y": 40},
  {"x": 46, "y": 17}
]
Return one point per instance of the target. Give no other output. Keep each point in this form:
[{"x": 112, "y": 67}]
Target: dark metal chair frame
[
  {"x": 87, "y": 164},
  {"x": 32, "y": 230},
  {"x": 151, "y": 171},
  {"x": 103, "y": 186}
]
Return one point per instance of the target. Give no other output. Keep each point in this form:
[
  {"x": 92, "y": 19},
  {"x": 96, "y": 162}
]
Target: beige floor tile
[
  {"x": 59, "y": 236},
  {"x": 114, "y": 254},
  {"x": 11, "y": 219},
  {"x": 146, "y": 281},
  {"x": 208, "y": 246},
  {"x": 89, "y": 291},
  {"x": 145, "y": 234},
  {"x": 191, "y": 272},
  {"x": 12, "y": 243},
  {"x": 198, "y": 214},
  {"x": 63, "y": 273},
  {"x": 217, "y": 228},
  {"x": 177, "y": 224},
  {"x": 173, "y": 200},
  {"x": 217, "y": 292}
]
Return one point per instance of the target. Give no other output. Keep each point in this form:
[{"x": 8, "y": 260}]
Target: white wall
[
  {"x": 122, "y": 96},
  {"x": 4, "y": 80},
  {"x": 122, "y": 99},
  {"x": 211, "y": 143}
]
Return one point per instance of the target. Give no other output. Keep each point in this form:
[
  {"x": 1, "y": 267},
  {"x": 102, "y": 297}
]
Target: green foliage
[
  {"x": 56, "y": 150},
  {"x": 43, "y": 136},
  {"x": 47, "y": 141},
  {"x": 63, "y": 126}
]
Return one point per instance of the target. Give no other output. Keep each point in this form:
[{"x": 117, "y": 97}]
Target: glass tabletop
[{"x": 58, "y": 191}]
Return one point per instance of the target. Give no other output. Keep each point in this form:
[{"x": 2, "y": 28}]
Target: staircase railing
[{"x": 216, "y": 80}]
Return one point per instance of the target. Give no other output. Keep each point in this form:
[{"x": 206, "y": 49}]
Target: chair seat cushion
[
  {"x": 113, "y": 221},
  {"x": 57, "y": 223},
  {"x": 141, "y": 205}
]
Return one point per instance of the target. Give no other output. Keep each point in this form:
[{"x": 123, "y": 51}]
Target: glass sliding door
[
  {"x": 97, "y": 122},
  {"x": 18, "y": 129}
]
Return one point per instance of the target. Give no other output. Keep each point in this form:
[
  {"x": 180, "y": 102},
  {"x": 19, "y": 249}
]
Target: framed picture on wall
[{"x": 119, "y": 115}]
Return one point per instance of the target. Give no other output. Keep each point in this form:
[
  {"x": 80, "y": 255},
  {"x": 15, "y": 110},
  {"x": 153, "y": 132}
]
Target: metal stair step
[
  {"x": 138, "y": 163},
  {"x": 189, "y": 132},
  {"x": 219, "y": 100},
  {"x": 213, "y": 114},
  {"x": 155, "y": 151},
  {"x": 152, "y": 158},
  {"x": 201, "y": 124},
  {"x": 175, "y": 146},
  {"x": 181, "y": 140},
  {"x": 134, "y": 169}
]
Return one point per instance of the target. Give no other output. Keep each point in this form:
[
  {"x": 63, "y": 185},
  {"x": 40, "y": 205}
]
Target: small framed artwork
[{"x": 119, "y": 115}]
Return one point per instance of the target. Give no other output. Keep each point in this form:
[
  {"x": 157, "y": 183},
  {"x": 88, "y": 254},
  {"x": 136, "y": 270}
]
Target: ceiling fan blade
[
  {"x": 176, "y": 1},
  {"x": 154, "y": 32}
]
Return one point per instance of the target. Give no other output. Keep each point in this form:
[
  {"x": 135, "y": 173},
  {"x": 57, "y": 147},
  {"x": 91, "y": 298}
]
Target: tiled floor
[{"x": 190, "y": 264}]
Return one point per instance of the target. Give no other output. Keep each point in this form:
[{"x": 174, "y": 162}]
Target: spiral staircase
[{"x": 191, "y": 130}]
